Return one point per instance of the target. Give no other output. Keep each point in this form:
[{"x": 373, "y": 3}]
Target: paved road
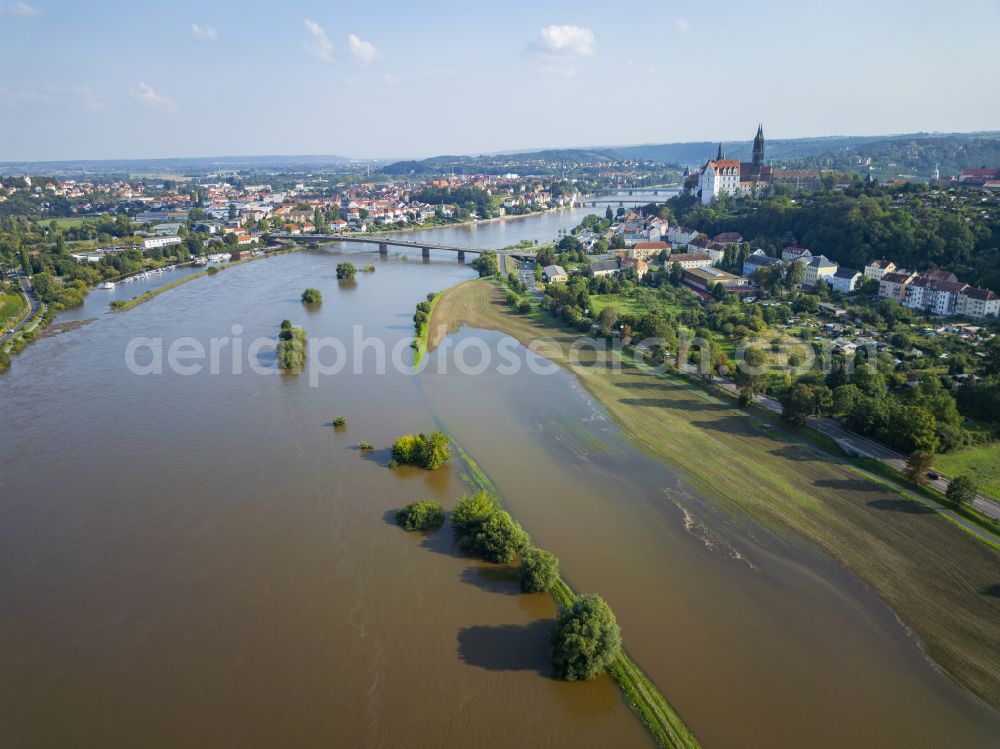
[
  {"x": 865, "y": 447},
  {"x": 526, "y": 274},
  {"x": 33, "y": 302}
]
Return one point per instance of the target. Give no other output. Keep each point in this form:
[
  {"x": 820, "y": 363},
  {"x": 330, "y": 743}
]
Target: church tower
[
  {"x": 720, "y": 156},
  {"x": 758, "y": 153}
]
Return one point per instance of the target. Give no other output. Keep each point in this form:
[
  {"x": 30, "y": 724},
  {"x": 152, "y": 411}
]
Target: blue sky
[{"x": 121, "y": 79}]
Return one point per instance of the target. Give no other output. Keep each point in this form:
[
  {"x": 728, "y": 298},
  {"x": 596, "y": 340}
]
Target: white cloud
[
  {"x": 147, "y": 96},
  {"x": 565, "y": 41},
  {"x": 391, "y": 79},
  {"x": 204, "y": 33},
  {"x": 22, "y": 10},
  {"x": 558, "y": 46},
  {"x": 682, "y": 25},
  {"x": 320, "y": 47},
  {"x": 362, "y": 51}
]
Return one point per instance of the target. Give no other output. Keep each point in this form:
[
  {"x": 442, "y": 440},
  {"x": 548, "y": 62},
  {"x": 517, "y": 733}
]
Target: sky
[{"x": 136, "y": 79}]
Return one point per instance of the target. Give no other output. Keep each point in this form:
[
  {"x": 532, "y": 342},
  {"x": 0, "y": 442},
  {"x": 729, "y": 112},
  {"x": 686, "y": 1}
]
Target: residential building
[
  {"x": 690, "y": 259},
  {"x": 640, "y": 265},
  {"x": 818, "y": 268},
  {"x": 878, "y": 268},
  {"x": 153, "y": 243},
  {"x": 845, "y": 280},
  {"x": 893, "y": 285},
  {"x": 681, "y": 235},
  {"x": 647, "y": 250},
  {"x": 601, "y": 268},
  {"x": 715, "y": 250},
  {"x": 978, "y": 303},
  {"x": 758, "y": 260},
  {"x": 792, "y": 254},
  {"x": 554, "y": 274}
]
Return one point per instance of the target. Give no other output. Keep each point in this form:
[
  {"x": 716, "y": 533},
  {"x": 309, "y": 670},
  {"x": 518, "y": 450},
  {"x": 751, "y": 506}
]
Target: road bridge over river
[{"x": 385, "y": 242}]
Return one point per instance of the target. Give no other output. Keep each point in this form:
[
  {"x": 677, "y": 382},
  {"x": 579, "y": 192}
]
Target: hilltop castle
[{"x": 732, "y": 176}]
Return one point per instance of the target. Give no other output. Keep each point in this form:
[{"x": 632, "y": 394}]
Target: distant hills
[
  {"x": 891, "y": 155},
  {"x": 181, "y": 165},
  {"x": 910, "y": 154}
]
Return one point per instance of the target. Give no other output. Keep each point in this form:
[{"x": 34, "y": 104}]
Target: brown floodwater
[{"x": 202, "y": 560}]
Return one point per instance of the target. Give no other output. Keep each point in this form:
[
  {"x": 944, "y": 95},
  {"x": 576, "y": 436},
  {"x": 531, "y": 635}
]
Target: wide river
[{"x": 201, "y": 560}]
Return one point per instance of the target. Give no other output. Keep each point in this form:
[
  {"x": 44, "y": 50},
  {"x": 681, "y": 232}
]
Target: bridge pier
[
  {"x": 461, "y": 256},
  {"x": 425, "y": 253},
  {"x": 383, "y": 249}
]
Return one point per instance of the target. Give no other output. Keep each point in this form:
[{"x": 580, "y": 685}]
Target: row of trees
[{"x": 586, "y": 638}]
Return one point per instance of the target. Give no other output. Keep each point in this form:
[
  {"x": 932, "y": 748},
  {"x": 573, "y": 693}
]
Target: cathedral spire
[
  {"x": 758, "y": 152},
  {"x": 720, "y": 156}
]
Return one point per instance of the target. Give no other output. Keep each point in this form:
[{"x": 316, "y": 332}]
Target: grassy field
[
  {"x": 624, "y": 304},
  {"x": 982, "y": 463},
  {"x": 67, "y": 221},
  {"x": 940, "y": 580},
  {"x": 11, "y": 308}
]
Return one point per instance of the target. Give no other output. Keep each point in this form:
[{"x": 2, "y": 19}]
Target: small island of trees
[
  {"x": 429, "y": 452},
  {"x": 346, "y": 271},
  {"x": 422, "y": 515},
  {"x": 311, "y": 296},
  {"x": 291, "y": 347}
]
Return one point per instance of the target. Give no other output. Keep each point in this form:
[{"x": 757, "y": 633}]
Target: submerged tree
[
  {"x": 586, "y": 639},
  {"x": 420, "y": 516},
  {"x": 539, "y": 570}
]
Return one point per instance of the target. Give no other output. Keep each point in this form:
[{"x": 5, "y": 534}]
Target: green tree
[
  {"x": 803, "y": 400},
  {"x": 586, "y": 639},
  {"x": 539, "y": 570},
  {"x": 486, "y": 264},
  {"x": 918, "y": 464},
  {"x": 607, "y": 320},
  {"x": 676, "y": 274},
  {"x": 962, "y": 490},
  {"x": 914, "y": 428},
  {"x": 750, "y": 375},
  {"x": 346, "y": 271},
  {"x": 845, "y": 398},
  {"x": 499, "y": 539},
  {"x": 420, "y": 516},
  {"x": 434, "y": 450},
  {"x": 471, "y": 511},
  {"x": 311, "y": 296}
]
